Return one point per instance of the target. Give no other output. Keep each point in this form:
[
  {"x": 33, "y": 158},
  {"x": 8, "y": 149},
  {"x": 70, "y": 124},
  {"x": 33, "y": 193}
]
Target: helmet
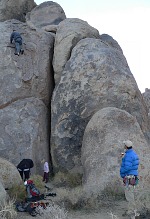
[{"x": 25, "y": 183}]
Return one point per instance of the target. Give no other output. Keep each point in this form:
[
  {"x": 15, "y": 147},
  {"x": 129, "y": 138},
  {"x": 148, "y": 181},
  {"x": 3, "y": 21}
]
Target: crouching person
[
  {"x": 33, "y": 194},
  {"x": 129, "y": 173}
]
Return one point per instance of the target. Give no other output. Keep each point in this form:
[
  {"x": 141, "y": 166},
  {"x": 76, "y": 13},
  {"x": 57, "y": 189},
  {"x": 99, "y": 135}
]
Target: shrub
[
  {"x": 78, "y": 198},
  {"x": 7, "y": 210},
  {"x": 52, "y": 211},
  {"x": 18, "y": 192}
]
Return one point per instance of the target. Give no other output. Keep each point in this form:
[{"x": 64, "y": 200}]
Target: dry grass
[
  {"x": 78, "y": 198},
  {"x": 143, "y": 200},
  {"x": 17, "y": 192},
  {"x": 7, "y": 210},
  {"x": 52, "y": 211},
  {"x": 67, "y": 179},
  {"x": 112, "y": 216}
]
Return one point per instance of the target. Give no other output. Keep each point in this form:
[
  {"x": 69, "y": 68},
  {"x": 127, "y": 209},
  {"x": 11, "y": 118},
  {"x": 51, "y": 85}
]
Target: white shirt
[{"x": 46, "y": 167}]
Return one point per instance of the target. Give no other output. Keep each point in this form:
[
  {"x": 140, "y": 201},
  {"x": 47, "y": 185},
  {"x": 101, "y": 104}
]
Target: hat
[{"x": 128, "y": 143}]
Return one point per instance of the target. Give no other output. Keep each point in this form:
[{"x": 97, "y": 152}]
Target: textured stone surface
[
  {"x": 102, "y": 146},
  {"x": 146, "y": 96},
  {"x": 26, "y": 85},
  {"x": 47, "y": 13},
  {"x": 69, "y": 33},
  {"x": 96, "y": 76},
  {"x": 50, "y": 28},
  {"x": 110, "y": 41},
  {"x": 24, "y": 132},
  {"x": 3, "y": 194},
  {"x": 15, "y": 9},
  {"x": 29, "y": 74},
  {"x": 9, "y": 174}
]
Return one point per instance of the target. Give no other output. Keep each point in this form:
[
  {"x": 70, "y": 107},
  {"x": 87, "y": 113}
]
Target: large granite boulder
[
  {"x": 9, "y": 174},
  {"x": 102, "y": 146},
  {"x": 26, "y": 85},
  {"x": 24, "y": 132},
  {"x": 96, "y": 76},
  {"x": 45, "y": 14},
  {"x": 15, "y": 9},
  {"x": 29, "y": 74},
  {"x": 69, "y": 33}
]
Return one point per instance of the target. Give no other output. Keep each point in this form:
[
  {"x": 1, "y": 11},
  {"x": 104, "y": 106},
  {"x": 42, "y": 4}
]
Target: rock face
[
  {"x": 146, "y": 96},
  {"x": 26, "y": 85},
  {"x": 96, "y": 76},
  {"x": 110, "y": 41},
  {"x": 24, "y": 125},
  {"x": 69, "y": 33},
  {"x": 102, "y": 146},
  {"x": 9, "y": 174},
  {"x": 47, "y": 13},
  {"x": 29, "y": 74},
  {"x": 15, "y": 9}
]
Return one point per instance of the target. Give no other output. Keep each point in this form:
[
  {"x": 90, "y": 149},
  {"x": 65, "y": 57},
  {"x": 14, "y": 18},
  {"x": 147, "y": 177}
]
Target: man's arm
[{"x": 11, "y": 37}]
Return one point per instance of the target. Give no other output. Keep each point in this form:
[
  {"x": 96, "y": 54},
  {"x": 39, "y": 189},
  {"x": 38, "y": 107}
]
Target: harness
[{"x": 130, "y": 180}]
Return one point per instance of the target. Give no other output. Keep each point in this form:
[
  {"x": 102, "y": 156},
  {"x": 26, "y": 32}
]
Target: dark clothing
[
  {"x": 17, "y": 39},
  {"x": 15, "y": 36},
  {"x": 45, "y": 177},
  {"x": 25, "y": 164},
  {"x": 24, "y": 168},
  {"x": 24, "y": 174}
]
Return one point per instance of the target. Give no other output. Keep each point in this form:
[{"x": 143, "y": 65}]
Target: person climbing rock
[{"x": 17, "y": 40}]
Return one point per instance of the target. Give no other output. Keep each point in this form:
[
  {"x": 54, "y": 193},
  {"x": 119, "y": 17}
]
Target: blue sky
[{"x": 127, "y": 21}]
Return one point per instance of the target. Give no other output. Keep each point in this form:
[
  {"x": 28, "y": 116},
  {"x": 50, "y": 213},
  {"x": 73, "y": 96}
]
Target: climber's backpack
[{"x": 33, "y": 190}]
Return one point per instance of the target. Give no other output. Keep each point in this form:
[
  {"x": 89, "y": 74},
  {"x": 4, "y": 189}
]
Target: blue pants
[{"x": 18, "y": 45}]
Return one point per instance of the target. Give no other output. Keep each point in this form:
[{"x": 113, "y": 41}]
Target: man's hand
[{"x": 122, "y": 154}]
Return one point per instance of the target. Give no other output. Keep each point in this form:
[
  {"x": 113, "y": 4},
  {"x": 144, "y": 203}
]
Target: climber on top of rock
[{"x": 17, "y": 40}]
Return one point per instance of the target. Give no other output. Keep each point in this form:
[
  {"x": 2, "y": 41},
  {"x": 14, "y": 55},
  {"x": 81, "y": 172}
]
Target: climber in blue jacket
[
  {"x": 130, "y": 162},
  {"x": 17, "y": 39},
  {"x": 129, "y": 173}
]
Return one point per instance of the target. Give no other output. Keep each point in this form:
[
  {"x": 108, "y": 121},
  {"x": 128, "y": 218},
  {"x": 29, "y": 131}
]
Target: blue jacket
[
  {"x": 130, "y": 163},
  {"x": 15, "y": 36}
]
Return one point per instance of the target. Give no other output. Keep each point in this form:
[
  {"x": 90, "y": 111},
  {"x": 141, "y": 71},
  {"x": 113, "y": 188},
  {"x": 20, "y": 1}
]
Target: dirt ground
[{"x": 114, "y": 212}]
